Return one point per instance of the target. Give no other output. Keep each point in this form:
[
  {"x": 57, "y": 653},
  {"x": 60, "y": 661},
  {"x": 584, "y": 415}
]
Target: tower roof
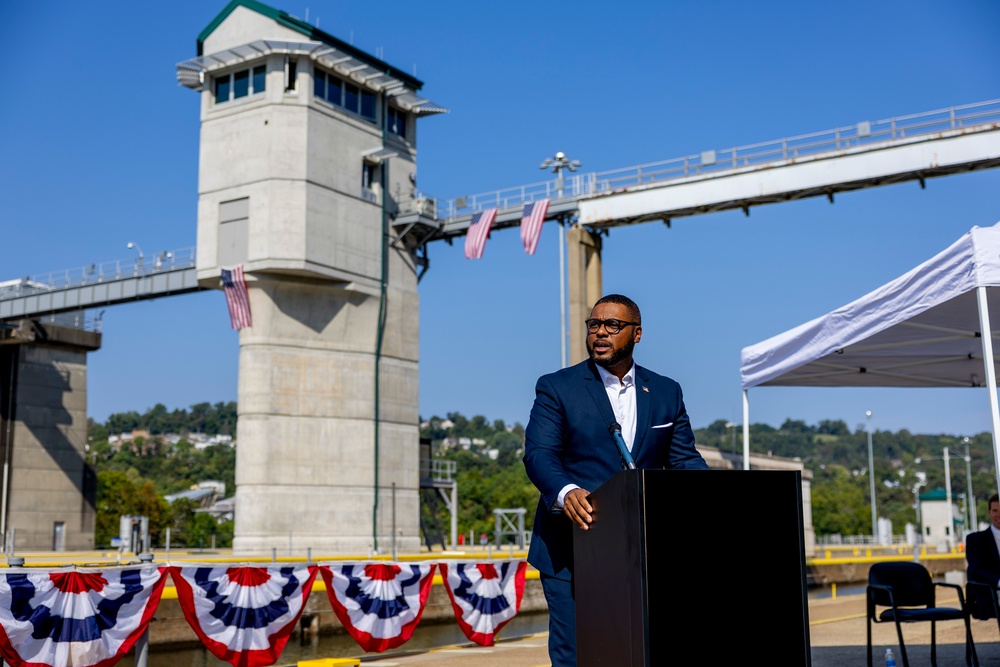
[{"x": 311, "y": 32}]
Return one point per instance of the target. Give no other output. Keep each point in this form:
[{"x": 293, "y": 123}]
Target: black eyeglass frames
[{"x": 611, "y": 326}]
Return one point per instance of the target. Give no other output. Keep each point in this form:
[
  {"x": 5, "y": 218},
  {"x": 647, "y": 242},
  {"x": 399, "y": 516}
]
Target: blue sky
[{"x": 100, "y": 147}]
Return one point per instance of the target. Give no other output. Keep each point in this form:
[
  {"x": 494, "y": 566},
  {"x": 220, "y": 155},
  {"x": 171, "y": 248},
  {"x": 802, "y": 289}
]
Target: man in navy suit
[
  {"x": 569, "y": 450},
  {"x": 983, "y": 556}
]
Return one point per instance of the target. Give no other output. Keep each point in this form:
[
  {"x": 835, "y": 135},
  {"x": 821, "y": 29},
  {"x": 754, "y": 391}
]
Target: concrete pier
[{"x": 50, "y": 489}]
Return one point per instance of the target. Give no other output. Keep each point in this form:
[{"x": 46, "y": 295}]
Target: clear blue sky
[{"x": 99, "y": 146}]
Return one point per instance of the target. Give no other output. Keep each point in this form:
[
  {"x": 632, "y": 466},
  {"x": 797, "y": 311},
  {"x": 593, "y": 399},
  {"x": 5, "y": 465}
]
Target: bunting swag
[
  {"x": 379, "y": 604},
  {"x": 485, "y": 596},
  {"x": 243, "y": 615},
  {"x": 75, "y": 617}
]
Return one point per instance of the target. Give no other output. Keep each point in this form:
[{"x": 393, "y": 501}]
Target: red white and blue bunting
[
  {"x": 485, "y": 596},
  {"x": 75, "y": 617},
  {"x": 379, "y": 604},
  {"x": 243, "y": 615}
]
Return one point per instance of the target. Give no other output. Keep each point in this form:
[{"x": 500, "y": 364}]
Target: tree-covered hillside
[
  {"x": 134, "y": 475},
  {"x": 838, "y": 459}
]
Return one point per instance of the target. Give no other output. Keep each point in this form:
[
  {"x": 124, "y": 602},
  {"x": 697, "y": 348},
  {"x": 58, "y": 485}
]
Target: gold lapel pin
[{"x": 645, "y": 389}]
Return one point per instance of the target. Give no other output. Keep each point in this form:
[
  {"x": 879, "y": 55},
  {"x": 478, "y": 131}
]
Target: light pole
[
  {"x": 971, "y": 502},
  {"x": 871, "y": 477},
  {"x": 920, "y": 528},
  {"x": 558, "y": 163},
  {"x": 135, "y": 246},
  {"x": 947, "y": 485}
]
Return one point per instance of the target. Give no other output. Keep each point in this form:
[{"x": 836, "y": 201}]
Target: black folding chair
[
  {"x": 907, "y": 590},
  {"x": 982, "y": 601}
]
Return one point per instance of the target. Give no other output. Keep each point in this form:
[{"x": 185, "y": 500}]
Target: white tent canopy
[{"x": 923, "y": 329}]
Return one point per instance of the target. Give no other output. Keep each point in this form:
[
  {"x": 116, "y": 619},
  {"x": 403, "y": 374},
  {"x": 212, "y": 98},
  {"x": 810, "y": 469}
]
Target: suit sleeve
[
  {"x": 544, "y": 442},
  {"x": 978, "y": 558},
  {"x": 683, "y": 454}
]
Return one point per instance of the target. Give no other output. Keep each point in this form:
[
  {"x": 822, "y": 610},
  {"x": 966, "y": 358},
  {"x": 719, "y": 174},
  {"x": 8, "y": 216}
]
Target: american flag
[
  {"x": 235, "y": 287},
  {"x": 479, "y": 230},
  {"x": 531, "y": 224}
]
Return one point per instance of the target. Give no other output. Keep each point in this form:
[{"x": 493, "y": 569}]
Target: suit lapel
[
  {"x": 592, "y": 380},
  {"x": 642, "y": 410}
]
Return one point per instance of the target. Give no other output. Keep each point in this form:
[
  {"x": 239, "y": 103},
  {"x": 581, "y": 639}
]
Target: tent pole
[
  {"x": 746, "y": 431},
  {"x": 991, "y": 378}
]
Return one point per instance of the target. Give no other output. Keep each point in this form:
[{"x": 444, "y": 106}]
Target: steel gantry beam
[{"x": 822, "y": 164}]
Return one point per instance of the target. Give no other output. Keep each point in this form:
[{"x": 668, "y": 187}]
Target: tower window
[
  {"x": 347, "y": 96},
  {"x": 351, "y": 98},
  {"x": 395, "y": 122},
  {"x": 240, "y": 84},
  {"x": 291, "y": 74},
  {"x": 259, "y": 78},
  {"x": 222, "y": 87}
]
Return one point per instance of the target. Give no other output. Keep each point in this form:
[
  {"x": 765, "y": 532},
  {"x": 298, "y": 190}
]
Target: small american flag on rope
[
  {"x": 234, "y": 285},
  {"x": 479, "y": 231},
  {"x": 531, "y": 224}
]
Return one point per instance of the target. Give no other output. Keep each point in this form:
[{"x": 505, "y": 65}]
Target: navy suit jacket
[
  {"x": 567, "y": 441},
  {"x": 984, "y": 566}
]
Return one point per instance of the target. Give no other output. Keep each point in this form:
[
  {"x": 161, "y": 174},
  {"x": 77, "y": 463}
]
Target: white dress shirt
[{"x": 621, "y": 395}]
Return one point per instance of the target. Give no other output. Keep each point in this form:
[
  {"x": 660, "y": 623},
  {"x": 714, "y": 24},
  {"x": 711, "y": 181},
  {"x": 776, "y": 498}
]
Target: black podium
[{"x": 693, "y": 567}]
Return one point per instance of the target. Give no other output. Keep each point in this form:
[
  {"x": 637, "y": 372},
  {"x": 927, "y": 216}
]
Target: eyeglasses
[{"x": 611, "y": 326}]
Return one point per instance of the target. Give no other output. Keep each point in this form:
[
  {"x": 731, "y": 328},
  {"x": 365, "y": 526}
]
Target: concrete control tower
[{"x": 308, "y": 151}]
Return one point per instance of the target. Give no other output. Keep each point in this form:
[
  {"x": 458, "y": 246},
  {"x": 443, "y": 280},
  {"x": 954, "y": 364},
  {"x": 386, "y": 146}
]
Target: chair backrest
[{"x": 911, "y": 584}]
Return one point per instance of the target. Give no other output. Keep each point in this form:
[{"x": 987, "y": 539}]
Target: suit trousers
[{"x": 562, "y": 620}]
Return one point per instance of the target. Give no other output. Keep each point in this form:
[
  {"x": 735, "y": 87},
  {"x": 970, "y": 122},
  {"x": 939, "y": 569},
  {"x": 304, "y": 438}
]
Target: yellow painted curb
[{"x": 330, "y": 662}]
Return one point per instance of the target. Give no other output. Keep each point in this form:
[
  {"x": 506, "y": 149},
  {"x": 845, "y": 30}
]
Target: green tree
[
  {"x": 839, "y": 503},
  {"x": 119, "y": 494}
]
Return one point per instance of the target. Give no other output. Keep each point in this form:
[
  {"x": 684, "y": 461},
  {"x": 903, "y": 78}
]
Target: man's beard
[{"x": 617, "y": 356}]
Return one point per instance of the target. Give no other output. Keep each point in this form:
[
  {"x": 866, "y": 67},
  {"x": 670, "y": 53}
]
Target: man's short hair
[
  {"x": 622, "y": 300},
  {"x": 995, "y": 498}
]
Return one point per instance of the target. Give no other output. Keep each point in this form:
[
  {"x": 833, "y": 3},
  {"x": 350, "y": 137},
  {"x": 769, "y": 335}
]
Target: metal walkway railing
[
  {"x": 866, "y": 134},
  {"x": 62, "y": 296},
  {"x": 95, "y": 274}
]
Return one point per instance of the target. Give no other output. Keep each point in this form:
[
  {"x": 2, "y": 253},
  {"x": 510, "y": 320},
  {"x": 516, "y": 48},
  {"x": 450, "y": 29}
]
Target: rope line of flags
[{"x": 243, "y": 614}]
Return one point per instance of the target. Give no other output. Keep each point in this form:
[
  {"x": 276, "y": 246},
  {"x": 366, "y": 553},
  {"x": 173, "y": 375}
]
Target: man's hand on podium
[{"x": 576, "y": 507}]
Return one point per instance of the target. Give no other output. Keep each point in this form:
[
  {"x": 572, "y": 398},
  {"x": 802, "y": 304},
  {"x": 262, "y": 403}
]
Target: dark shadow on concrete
[{"x": 310, "y": 302}]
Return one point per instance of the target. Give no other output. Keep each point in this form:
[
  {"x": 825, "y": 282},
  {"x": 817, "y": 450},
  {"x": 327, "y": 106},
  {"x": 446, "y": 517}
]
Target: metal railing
[
  {"x": 95, "y": 274},
  {"x": 437, "y": 470},
  {"x": 863, "y": 135},
  {"x": 84, "y": 319}
]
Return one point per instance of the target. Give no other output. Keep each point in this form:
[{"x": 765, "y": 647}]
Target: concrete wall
[
  {"x": 50, "y": 482},
  {"x": 245, "y": 25}
]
